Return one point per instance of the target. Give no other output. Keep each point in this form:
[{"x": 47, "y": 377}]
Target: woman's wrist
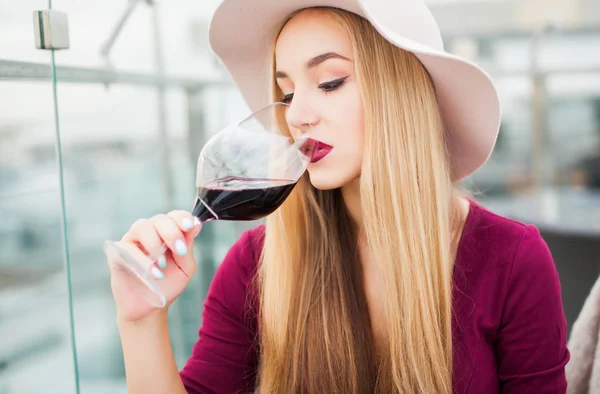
[{"x": 157, "y": 317}]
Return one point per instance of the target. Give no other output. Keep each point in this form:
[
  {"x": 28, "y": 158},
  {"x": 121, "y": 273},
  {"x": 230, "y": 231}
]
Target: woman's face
[{"x": 315, "y": 72}]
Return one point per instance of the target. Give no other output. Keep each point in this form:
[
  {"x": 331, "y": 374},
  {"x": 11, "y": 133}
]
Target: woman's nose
[{"x": 301, "y": 117}]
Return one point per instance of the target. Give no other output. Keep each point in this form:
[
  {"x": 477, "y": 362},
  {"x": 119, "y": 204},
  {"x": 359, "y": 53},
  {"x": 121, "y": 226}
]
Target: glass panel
[
  {"x": 111, "y": 138},
  {"x": 110, "y": 151},
  {"x": 111, "y": 161},
  {"x": 34, "y": 310}
]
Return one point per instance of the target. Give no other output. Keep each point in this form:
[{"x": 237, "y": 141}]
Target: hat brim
[{"x": 241, "y": 32}]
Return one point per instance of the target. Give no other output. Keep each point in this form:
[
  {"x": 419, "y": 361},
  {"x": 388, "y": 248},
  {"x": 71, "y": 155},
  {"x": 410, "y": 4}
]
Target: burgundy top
[{"x": 509, "y": 334}]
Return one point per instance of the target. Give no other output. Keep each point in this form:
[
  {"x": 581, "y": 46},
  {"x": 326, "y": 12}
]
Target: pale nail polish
[
  {"x": 180, "y": 247},
  {"x": 162, "y": 261},
  {"x": 186, "y": 224},
  {"x": 157, "y": 274},
  {"x": 196, "y": 221}
]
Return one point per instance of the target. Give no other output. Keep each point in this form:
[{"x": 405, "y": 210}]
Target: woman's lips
[
  {"x": 321, "y": 150},
  {"x": 315, "y": 149}
]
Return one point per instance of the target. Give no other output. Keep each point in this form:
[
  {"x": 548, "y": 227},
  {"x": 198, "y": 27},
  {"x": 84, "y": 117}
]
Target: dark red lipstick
[
  {"x": 315, "y": 149},
  {"x": 320, "y": 151}
]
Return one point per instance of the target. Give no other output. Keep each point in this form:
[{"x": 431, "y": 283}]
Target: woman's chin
[{"x": 324, "y": 180}]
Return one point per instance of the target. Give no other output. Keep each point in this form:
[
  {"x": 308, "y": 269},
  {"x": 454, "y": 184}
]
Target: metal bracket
[{"x": 51, "y": 29}]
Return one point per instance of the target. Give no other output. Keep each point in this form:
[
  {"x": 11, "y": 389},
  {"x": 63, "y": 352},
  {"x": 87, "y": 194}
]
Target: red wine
[{"x": 241, "y": 199}]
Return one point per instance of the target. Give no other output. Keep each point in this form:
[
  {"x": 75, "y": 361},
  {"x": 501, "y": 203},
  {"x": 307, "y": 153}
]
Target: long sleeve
[
  {"x": 531, "y": 347},
  {"x": 224, "y": 359}
]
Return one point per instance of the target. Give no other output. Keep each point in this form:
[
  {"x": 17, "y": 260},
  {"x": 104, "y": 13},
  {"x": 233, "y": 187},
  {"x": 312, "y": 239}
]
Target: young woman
[{"x": 375, "y": 275}]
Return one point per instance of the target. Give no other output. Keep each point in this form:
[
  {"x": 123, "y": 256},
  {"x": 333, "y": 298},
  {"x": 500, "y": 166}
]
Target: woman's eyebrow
[{"x": 315, "y": 61}]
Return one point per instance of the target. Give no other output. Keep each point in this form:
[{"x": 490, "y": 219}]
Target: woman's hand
[{"x": 173, "y": 271}]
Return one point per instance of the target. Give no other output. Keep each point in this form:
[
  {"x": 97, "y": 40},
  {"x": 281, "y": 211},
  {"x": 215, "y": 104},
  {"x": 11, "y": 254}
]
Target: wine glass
[{"x": 245, "y": 172}]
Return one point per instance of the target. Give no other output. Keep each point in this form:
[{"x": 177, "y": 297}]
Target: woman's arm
[
  {"x": 149, "y": 362},
  {"x": 532, "y": 337},
  {"x": 148, "y": 354},
  {"x": 223, "y": 360}
]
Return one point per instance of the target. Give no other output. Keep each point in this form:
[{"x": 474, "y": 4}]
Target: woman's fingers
[
  {"x": 171, "y": 234},
  {"x": 175, "y": 230},
  {"x": 184, "y": 220},
  {"x": 132, "y": 250},
  {"x": 170, "y": 228},
  {"x": 189, "y": 224},
  {"x": 144, "y": 235}
]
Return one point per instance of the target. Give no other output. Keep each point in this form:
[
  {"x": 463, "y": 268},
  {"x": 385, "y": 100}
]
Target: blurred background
[{"x": 107, "y": 131}]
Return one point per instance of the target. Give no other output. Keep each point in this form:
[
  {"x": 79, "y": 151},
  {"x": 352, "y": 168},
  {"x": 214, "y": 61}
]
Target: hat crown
[{"x": 408, "y": 19}]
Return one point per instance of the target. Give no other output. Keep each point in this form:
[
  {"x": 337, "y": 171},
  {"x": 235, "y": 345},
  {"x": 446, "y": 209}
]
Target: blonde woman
[{"x": 375, "y": 275}]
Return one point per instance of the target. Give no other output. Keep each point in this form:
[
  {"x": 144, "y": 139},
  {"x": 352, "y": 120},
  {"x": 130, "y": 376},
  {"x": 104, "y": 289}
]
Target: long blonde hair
[{"x": 315, "y": 332}]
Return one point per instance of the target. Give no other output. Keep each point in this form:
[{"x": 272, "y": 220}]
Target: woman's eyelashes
[
  {"x": 332, "y": 85},
  {"x": 327, "y": 87},
  {"x": 288, "y": 98}
]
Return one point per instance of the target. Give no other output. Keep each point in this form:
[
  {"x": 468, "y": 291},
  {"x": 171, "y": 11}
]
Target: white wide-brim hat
[{"x": 241, "y": 32}]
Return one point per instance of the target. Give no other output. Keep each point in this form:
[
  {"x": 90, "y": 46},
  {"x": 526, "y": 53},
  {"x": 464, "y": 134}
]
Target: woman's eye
[
  {"x": 288, "y": 98},
  {"x": 325, "y": 86},
  {"x": 332, "y": 85}
]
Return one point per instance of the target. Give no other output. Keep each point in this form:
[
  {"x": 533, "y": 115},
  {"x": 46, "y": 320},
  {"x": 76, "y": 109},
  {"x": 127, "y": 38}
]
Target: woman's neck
[{"x": 351, "y": 197}]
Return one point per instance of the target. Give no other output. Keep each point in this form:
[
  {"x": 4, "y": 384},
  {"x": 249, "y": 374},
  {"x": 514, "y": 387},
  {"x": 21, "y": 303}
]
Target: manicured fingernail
[
  {"x": 187, "y": 224},
  {"x": 162, "y": 261},
  {"x": 180, "y": 247},
  {"x": 157, "y": 274},
  {"x": 196, "y": 221}
]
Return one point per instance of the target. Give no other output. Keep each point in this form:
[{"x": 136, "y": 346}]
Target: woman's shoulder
[
  {"x": 491, "y": 232},
  {"x": 518, "y": 290},
  {"x": 484, "y": 222},
  {"x": 500, "y": 244}
]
